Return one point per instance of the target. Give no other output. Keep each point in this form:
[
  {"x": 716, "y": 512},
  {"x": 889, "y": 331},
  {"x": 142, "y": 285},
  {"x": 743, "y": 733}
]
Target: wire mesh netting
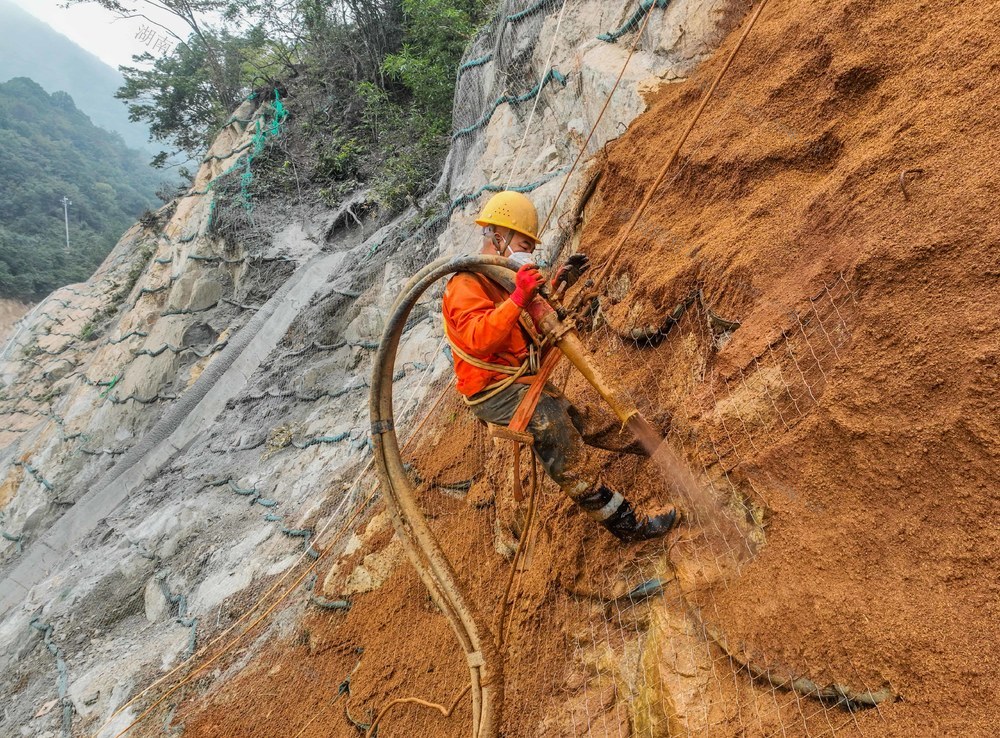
[
  {"x": 628, "y": 641},
  {"x": 146, "y": 258},
  {"x": 602, "y": 640},
  {"x": 622, "y": 641}
]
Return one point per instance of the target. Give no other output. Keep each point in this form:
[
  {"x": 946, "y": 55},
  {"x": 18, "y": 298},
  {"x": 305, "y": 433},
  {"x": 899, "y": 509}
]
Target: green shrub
[
  {"x": 339, "y": 159},
  {"x": 89, "y": 331}
]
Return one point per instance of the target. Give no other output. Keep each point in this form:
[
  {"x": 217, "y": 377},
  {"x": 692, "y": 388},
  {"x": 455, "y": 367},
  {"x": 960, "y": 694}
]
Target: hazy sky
[{"x": 96, "y": 30}]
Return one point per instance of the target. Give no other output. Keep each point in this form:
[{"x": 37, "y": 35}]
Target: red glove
[{"x": 527, "y": 281}]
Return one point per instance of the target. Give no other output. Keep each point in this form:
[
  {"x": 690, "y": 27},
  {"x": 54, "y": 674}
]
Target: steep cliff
[{"x": 183, "y": 425}]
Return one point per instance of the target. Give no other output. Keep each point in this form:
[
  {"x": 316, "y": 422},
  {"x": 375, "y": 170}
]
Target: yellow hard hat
[{"x": 509, "y": 209}]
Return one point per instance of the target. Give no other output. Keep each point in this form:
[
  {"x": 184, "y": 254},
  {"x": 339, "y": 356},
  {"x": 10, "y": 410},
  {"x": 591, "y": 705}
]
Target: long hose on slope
[{"x": 422, "y": 548}]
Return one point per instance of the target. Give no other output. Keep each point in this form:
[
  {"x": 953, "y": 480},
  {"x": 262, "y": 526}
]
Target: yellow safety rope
[
  {"x": 648, "y": 196},
  {"x": 528, "y": 368}
]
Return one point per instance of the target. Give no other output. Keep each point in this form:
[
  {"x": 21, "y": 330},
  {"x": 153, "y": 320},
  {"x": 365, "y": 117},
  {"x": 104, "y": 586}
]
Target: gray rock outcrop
[{"x": 167, "y": 435}]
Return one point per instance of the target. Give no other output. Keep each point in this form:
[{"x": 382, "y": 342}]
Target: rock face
[{"x": 174, "y": 428}]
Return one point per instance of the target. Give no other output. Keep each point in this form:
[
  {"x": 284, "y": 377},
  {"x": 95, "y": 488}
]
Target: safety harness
[
  {"x": 533, "y": 371},
  {"x": 523, "y": 373},
  {"x": 515, "y": 374}
]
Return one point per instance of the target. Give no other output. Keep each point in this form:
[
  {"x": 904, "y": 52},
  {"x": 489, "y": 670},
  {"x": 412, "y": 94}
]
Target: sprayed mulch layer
[
  {"x": 840, "y": 186},
  {"x": 848, "y": 142}
]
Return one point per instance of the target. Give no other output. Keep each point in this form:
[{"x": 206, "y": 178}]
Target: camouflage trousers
[{"x": 564, "y": 438}]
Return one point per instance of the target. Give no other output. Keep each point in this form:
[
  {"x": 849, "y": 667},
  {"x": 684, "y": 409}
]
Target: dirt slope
[
  {"x": 882, "y": 542},
  {"x": 873, "y": 468}
]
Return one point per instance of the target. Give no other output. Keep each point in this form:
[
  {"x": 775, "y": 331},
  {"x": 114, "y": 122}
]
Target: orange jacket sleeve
[{"x": 474, "y": 321}]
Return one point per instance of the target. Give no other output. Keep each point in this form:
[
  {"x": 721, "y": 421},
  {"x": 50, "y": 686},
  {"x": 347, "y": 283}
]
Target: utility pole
[{"x": 66, "y": 203}]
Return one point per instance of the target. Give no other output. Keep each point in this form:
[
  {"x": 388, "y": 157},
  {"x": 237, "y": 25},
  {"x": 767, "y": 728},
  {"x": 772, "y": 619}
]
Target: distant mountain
[
  {"x": 29, "y": 48},
  {"x": 50, "y": 150}
]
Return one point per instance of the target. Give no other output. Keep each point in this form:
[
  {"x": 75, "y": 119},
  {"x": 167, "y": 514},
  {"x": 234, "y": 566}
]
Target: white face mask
[{"x": 521, "y": 258}]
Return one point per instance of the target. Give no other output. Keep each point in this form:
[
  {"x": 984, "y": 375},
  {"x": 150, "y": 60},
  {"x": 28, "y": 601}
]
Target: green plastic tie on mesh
[
  {"x": 321, "y": 439},
  {"x": 16, "y": 540},
  {"x": 180, "y": 350},
  {"x": 530, "y": 10},
  {"x": 110, "y": 385},
  {"x": 128, "y": 335},
  {"x": 62, "y": 680},
  {"x": 188, "y": 311},
  {"x": 246, "y": 492},
  {"x": 151, "y": 291},
  {"x": 279, "y": 114},
  {"x": 511, "y": 18},
  {"x": 252, "y": 493},
  {"x": 181, "y": 601},
  {"x": 522, "y": 14},
  {"x": 552, "y": 74},
  {"x": 633, "y": 20},
  {"x": 255, "y": 146},
  {"x": 199, "y": 257},
  {"x": 473, "y": 63},
  {"x": 142, "y": 400},
  {"x": 37, "y": 475},
  {"x": 303, "y": 533}
]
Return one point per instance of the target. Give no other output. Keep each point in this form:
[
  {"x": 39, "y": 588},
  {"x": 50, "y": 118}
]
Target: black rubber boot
[
  {"x": 615, "y": 513},
  {"x": 629, "y": 529}
]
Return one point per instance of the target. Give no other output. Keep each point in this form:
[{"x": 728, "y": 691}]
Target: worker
[{"x": 496, "y": 349}]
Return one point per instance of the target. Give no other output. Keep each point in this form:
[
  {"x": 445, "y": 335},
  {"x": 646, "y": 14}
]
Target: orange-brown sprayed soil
[
  {"x": 882, "y": 501},
  {"x": 854, "y": 410}
]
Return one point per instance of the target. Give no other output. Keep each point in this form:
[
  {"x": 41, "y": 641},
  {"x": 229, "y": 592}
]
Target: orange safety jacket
[{"x": 483, "y": 322}]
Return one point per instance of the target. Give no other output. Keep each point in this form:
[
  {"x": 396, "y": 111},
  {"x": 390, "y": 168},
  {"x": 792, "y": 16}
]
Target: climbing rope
[
  {"x": 651, "y": 190},
  {"x": 446, "y": 711},
  {"x": 516, "y": 431},
  {"x": 534, "y": 105},
  {"x": 514, "y": 373},
  {"x": 597, "y": 121},
  {"x": 512, "y": 593},
  {"x": 317, "y": 556}
]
